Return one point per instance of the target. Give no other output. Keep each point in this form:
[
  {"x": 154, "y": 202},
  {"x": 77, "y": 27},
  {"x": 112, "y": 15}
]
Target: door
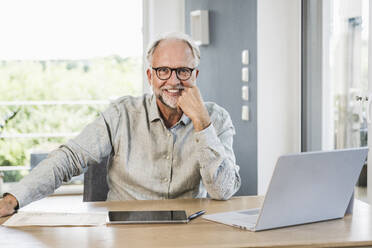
[{"x": 346, "y": 81}]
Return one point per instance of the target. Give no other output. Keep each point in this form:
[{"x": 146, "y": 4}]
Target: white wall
[
  {"x": 161, "y": 16},
  {"x": 278, "y": 84}
]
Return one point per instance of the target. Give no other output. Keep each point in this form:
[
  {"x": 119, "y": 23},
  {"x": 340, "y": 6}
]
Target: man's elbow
[{"x": 224, "y": 195}]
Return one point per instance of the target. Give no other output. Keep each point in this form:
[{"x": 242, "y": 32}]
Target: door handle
[{"x": 368, "y": 109}]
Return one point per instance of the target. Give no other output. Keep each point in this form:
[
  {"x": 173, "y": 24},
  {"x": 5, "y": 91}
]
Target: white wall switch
[
  {"x": 245, "y": 113},
  {"x": 245, "y": 57},
  {"x": 245, "y": 74},
  {"x": 245, "y": 93}
]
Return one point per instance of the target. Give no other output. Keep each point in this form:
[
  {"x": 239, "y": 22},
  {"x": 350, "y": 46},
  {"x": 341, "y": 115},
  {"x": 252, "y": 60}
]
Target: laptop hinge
[{"x": 349, "y": 209}]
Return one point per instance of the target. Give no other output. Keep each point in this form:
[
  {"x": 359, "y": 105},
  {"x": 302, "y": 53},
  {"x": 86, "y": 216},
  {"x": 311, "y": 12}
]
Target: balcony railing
[{"x": 5, "y": 135}]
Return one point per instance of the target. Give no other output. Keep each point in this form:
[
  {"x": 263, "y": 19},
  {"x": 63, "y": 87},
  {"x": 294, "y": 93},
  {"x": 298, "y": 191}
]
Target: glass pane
[
  {"x": 348, "y": 57},
  {"x": 346, "y": 70}
]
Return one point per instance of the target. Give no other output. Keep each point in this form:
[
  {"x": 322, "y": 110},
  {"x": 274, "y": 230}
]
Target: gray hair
[{"x": 174, "y": 36}]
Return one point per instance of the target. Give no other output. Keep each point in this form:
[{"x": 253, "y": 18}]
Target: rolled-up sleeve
[{"x": 220, "y": 174}]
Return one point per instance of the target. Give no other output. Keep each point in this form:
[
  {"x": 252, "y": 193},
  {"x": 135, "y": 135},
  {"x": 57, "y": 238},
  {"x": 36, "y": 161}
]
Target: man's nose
[{"x": 173, "y": 79}]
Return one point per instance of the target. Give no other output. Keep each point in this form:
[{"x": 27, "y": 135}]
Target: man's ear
[{"x": 149, "y": 75}]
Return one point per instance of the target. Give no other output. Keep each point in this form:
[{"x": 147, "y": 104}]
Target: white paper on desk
[{"x": 56, "y": 219}]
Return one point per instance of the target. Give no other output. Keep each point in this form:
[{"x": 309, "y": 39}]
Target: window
[{"x": 61, "y": 62}]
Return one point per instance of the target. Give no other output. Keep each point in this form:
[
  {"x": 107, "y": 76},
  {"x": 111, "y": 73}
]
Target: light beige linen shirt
[{"x": 147, "y": 160}]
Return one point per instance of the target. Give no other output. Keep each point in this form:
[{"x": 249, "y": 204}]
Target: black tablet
[{"x": 132, "y": 217}]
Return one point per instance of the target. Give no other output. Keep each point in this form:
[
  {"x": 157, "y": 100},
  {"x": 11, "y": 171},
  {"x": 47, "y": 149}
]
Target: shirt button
[
  {"x": 165, "y": 180},
  {"x": 169, "y": 134},
  {"x": 168, "y": 157}
]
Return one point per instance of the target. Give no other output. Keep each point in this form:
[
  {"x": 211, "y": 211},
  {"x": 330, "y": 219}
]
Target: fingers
[
  {"x": 191, "y": 102},
  {"x": 192, "y": 91},
  {"x": 189, "y": 84},
  {"x": 187, "y": 95},
  {"x": 6, "y": 208},
  {"x": 191, "y": 94},
  {"x": 7, "y": 205}
]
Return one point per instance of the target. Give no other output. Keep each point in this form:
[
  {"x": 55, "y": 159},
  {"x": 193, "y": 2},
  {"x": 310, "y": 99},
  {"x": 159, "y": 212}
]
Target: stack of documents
[{"x": 56, "y": 219}]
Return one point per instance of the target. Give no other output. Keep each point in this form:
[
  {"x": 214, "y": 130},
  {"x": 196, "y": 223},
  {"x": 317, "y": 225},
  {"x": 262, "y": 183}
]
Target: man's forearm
[
  {"x": 219, "y": 173},
  {"x": 89, "y": 147},
  {"x": 44, "y": 178}
]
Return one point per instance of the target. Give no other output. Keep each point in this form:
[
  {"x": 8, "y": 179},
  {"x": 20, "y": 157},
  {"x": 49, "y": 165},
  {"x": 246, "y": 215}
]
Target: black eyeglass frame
[{"x": 173, "y": 69}]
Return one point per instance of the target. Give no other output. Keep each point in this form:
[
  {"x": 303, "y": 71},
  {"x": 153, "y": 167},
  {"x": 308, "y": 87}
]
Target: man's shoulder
[
  {"x": 132, "y": 103},
  {"x": 216, "y": 110},
  {"x": 127, "y": 106},
  {"x": 220, "y": 117}
]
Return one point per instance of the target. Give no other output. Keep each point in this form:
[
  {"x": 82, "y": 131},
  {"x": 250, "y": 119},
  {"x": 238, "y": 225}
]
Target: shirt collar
[
  {"x": 185, "y": 119},
  {"x": 155, "y": 115},
  {"x": 154, "y": 111}
]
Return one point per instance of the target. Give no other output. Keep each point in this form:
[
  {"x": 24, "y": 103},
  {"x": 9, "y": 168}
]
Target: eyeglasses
[{"x": 182, "y": 73}]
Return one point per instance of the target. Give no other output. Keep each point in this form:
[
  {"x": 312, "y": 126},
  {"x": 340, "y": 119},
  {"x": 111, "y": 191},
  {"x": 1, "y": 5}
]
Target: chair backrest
[
  {"x": 95, "y": 182},
  {"x": 36, "y": 158}
]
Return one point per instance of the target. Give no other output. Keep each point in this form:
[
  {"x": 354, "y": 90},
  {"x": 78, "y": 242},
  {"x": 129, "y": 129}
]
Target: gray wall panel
[{"x": 232, "y": 28}]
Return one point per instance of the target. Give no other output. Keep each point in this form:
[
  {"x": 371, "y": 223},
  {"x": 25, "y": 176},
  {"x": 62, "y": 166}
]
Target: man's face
[{"x": 172, "y": 54}]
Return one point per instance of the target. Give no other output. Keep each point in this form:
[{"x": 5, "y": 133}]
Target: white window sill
[{"x": 71, "y": 189}]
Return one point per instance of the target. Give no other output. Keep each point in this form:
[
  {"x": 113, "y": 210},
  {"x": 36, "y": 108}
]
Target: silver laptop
[{"x": 304, "y": 188}]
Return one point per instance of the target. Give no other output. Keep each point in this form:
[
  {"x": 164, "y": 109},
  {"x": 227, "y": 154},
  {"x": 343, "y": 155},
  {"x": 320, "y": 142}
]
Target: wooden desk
[{"x": 352, "y": 231}]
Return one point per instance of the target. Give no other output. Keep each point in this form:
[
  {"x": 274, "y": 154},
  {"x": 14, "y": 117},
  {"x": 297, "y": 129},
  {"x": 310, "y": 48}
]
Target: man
[{"x": 167, "y": 145}]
